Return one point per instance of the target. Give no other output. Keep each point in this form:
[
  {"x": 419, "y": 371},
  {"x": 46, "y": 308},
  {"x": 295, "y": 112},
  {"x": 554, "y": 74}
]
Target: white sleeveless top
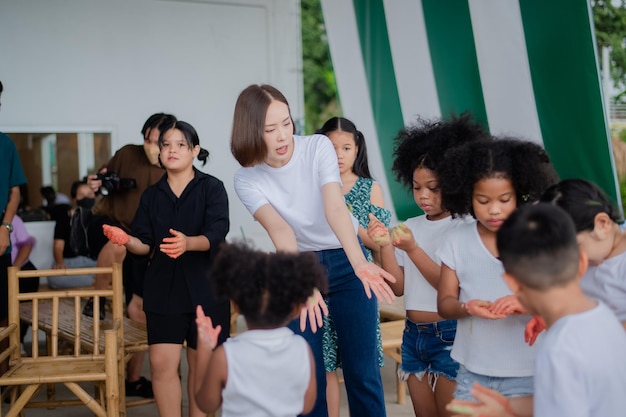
[
  {"x": 486, "y": 347},
  {"x": 268, "y": 374},
  {"x": 429, "y": 234}
]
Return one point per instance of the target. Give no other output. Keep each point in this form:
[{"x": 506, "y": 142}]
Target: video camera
[{"x": 111, "y": 181}]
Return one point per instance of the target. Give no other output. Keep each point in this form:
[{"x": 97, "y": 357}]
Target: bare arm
[
  {"x": 9, "y": 213},
  {"x": 209, "y": 391},
  {"x": 22, "y": 255},
  {"x": 281, "y": 234},
  {"x": 179, "y": 243},
  {"x": 372, "y": 276},
  {"x": 340, "y": 222},
  {"x": 448, "y": 303},
  {"x": 57, "y": 252},
  {"x": 137, "y": 247},
  {"x": 429, "y": 269},
  {"x": 119, "y": 237},
  {"x": 387, "y": 254},
  {"x": 211, "y": 368}
]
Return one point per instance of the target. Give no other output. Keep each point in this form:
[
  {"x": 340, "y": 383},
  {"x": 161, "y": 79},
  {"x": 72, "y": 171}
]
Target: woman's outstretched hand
[
  {"x": 313, "y": 309},
  {"x": 207, "y": 334},
  {"x": 373, "y": 278},
  {"x": 115, "y": 235},
  {"x": 175, "y": 245}
]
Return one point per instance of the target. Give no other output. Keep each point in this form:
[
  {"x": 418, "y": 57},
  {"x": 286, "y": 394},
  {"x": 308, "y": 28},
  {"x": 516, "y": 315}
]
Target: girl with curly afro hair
[
  {"x": 267, "y": 369},
  {"x": 487, "y": 180},
  {"x": 410, "y": 257}
]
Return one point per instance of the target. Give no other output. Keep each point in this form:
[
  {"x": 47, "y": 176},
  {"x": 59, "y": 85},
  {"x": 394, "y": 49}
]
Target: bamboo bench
[
  {"x": 102, "y": 364},
  {"x": 391, "y": 332}
]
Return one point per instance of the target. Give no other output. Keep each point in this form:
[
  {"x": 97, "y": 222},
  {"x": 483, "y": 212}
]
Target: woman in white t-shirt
[{"x": 292, "y": 186}]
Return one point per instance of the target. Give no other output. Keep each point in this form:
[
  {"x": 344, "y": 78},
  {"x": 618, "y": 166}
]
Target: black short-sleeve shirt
[{"x": 174, "y": 286}]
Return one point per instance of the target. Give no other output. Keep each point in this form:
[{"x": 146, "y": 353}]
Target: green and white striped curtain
[{"x": 526, "y": 68}]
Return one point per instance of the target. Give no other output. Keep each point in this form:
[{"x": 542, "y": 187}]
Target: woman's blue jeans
[{"x": 355, "y": 320}]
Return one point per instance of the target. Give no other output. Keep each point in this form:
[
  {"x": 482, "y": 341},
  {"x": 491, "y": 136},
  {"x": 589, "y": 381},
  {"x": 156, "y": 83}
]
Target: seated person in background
[
  {"x": 21, "y": 246},
  {"x": 54, "y": 203},
  {"x": 64, "y": 256}
]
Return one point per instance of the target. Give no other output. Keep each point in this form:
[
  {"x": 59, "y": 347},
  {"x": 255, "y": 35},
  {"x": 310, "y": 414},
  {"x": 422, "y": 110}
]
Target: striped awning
[{"x": 525, "y": 68}]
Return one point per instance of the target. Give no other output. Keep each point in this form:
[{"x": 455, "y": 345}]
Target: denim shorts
[
  {"x": 508, "y": 386},
  {"x": 426, "y": 349}
]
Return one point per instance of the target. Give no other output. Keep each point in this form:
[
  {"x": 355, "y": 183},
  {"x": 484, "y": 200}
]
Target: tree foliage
[
  {"x": 320, "y": 91},
  {"x": 609, "y": 17}
]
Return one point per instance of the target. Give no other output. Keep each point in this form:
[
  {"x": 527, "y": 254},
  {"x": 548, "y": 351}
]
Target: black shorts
[{"x": 172, "y": 328}]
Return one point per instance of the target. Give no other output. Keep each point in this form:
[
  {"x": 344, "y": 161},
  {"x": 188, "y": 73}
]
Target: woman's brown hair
[{"x": 246, "y": 142}]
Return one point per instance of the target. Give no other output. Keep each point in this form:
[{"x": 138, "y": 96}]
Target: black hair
[
  {"x": 266, "y": 287},
  {"x": 48, "y": 193},
  {"x": 341, "y": 124},
  {"x": 424, "y": 143},
  {"x": 188, "y": 131},
  {"x": 155, "y": 121},
  {"x": 525, "y": 164},
  {"x": 1, "y": 87},
  {"x": 583, "y": 200},
  {"x": 537, "y": 245},
  {"x": 74, "y": 188}
]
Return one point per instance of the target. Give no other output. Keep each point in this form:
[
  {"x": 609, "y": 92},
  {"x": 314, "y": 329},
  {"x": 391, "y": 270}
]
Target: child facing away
[
  {"x": 267, "y": 370},
  {"x": 488, "y": 180},
  {"x": 180, "y": 222},
  {"x": 364, "y": 196},
  {"x": 581, "y": 362},
  {"x": 426, "y": 365}
]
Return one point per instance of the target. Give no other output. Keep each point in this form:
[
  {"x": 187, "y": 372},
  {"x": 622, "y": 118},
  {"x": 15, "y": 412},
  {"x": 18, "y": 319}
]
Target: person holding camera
[{"x": 120, "y": 184}]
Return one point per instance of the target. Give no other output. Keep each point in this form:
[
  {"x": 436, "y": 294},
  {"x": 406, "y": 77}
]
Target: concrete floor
[{"x": 388, "y": 374}]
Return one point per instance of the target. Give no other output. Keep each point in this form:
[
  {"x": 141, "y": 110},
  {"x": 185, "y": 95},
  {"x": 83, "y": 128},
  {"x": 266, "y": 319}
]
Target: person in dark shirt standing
[{"x": 181, "y": 221}]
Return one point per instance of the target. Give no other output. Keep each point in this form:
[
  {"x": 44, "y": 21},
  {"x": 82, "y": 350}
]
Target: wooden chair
[
  {"x": 391, "y": 332},
  {"x": 103, "y": 365}
]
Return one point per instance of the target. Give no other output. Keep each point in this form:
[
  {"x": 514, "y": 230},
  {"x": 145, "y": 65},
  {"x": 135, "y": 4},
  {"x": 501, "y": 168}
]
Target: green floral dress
[{"x": 358, "y": 201}]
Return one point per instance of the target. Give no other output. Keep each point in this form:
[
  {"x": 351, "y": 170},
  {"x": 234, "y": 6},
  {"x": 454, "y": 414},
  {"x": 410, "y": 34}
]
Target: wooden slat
[{"x": 58, "y": 313}]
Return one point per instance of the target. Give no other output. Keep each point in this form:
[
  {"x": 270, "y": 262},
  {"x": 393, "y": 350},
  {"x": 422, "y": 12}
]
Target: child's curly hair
[
  {"x": 424, "y": 143},
  {"x": 526, "y": 164},
  {"x": 266, "y": 287}
]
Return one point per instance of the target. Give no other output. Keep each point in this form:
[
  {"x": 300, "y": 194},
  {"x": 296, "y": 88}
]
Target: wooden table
[
  {"x": 391, "y": 332},
  {"x": 393, "y": 311}
]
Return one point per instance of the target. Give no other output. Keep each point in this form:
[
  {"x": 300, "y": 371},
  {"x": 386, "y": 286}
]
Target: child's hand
[
  {"x": 115, "y": 235},
  {"x": 377, "y": 231},
  {"x": 207, "y": 334},
  {"x": 313, "y": 308},
  {"x": 174, "y": 246},
  {"x": 507, "y": 305},
  {"x": 482, "y": 308},
  {"x": 373, "y": 279},
  {"x": 490, "y": 404},
  {"x": 402, "y": 238},
  {"x": 535, "y": 326}
]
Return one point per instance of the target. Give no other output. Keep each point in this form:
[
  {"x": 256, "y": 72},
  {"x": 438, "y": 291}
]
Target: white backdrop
[{"x": 95, "y": 65}]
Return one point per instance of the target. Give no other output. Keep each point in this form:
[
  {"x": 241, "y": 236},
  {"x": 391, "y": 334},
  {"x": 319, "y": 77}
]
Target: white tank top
[{"x": 268, "y": 374}]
